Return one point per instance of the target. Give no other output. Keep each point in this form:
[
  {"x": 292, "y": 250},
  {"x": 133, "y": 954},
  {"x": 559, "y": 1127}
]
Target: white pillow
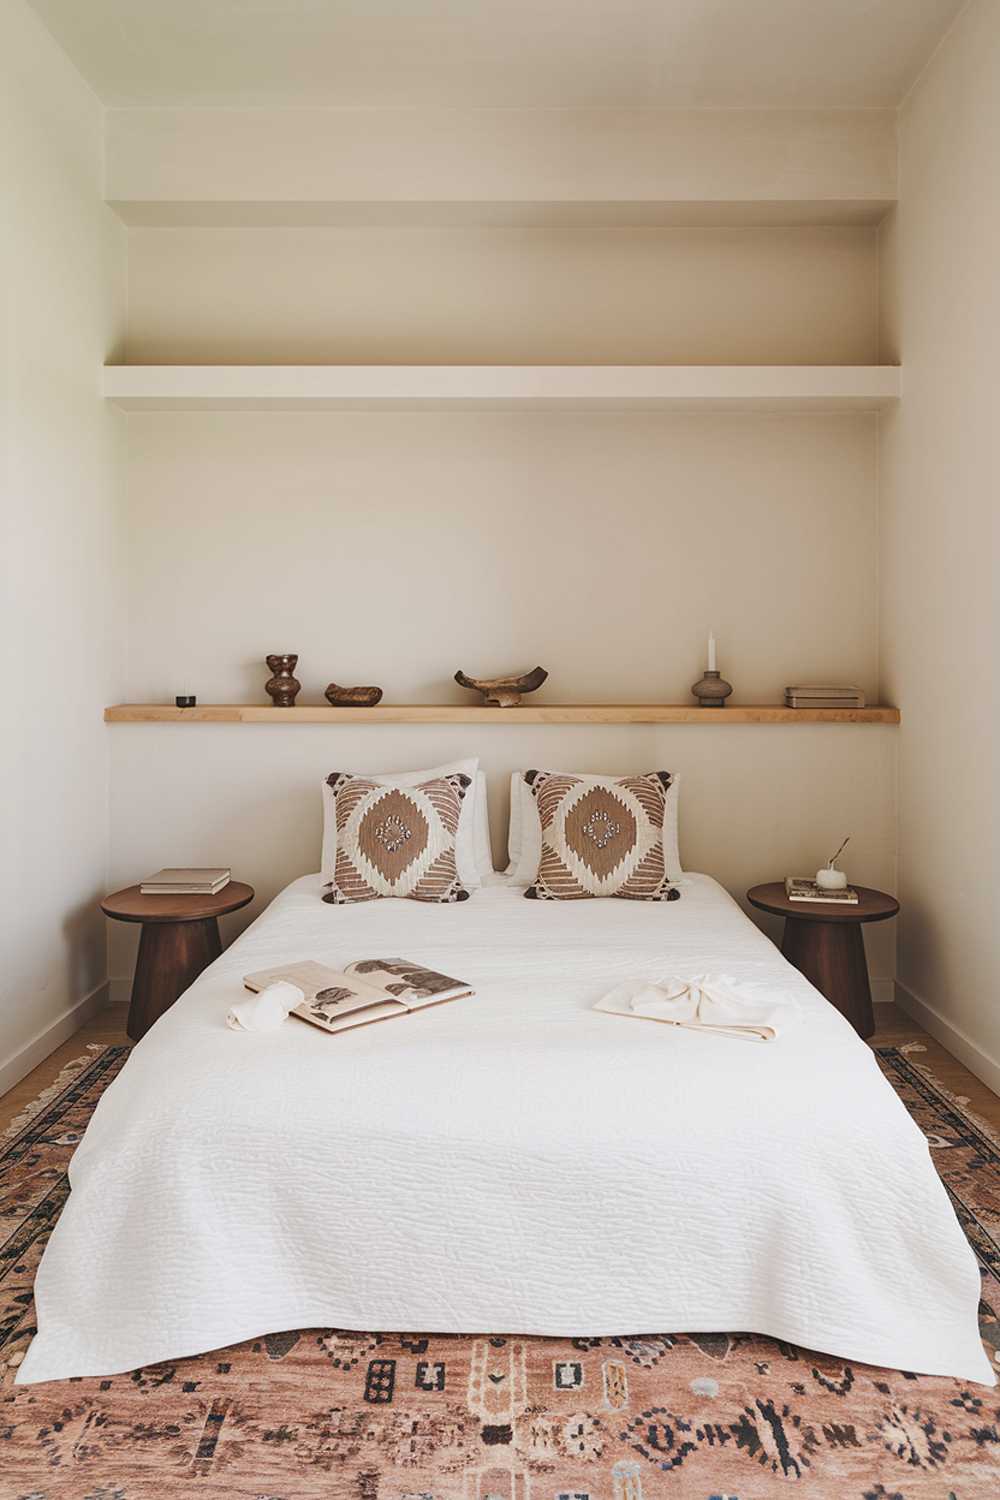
[
  {"x": 515, "y": 832},
  {"x": 473, "y": 853},
  {"x": 524, "y": 837},
  {"x": 484, "y": 846}
]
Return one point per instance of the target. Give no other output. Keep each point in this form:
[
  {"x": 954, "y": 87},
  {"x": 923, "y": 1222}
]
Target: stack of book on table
[
  {"x": 798, "y": 889},
  {"x": 185, "y": 882},
  {"x": 824, "y": 695}
]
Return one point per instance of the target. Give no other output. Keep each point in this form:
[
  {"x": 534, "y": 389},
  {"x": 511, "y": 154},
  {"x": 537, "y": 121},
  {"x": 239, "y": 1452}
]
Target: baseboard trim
[
  {"x": 958, "y": 1044},
  {"x": 120, "y": 991},
  {"x": 45, "y": 1043}
]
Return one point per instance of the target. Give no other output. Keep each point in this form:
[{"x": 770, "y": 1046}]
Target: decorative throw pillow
[
  {"x": 525, "y": 832},
  {"x": 396, "y": 841},
  {"x": 474, "y": 854},
  {"x": 601, "y": 836}
]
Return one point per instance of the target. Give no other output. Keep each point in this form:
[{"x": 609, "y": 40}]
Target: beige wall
[
  {"x": 503, "y": 296},
  {"x": 940, "y": 457},
  {"x": 241, "y": 534},
  {"x": 63, "y": 283},
  {"x": 191, "y": 165},
  {"x": 395, "y": 547},
  {"x": 756, "y": 802}
]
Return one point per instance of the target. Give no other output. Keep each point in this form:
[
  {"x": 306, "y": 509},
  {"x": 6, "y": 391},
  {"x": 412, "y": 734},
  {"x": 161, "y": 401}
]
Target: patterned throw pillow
[
  {"x": 396, "y": 841},
  {"x": 601, "y": 837}
]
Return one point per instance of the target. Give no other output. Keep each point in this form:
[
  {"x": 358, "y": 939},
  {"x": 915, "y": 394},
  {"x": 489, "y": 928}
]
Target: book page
[
  {"x": 341, "y": 1006},
  {"x": 333, "y": 991},
  {"x": 406, "y": 980}
]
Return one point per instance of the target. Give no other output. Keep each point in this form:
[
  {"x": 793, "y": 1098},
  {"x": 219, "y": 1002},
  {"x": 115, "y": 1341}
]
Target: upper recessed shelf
[{"x": 613, "y": 387}]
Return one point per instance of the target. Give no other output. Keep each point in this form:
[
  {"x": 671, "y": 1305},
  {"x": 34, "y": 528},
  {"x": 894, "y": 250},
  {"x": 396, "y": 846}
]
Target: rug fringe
[
  {"x": 961, "y": 1102},
  {"x": 36, "y": 1105}
]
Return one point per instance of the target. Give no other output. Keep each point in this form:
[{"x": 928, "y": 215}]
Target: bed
[{"x": 509, "y": 1163}]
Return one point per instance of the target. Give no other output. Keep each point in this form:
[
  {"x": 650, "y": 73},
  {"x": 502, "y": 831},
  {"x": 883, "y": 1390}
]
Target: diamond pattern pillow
[
  {"x": 396, "y": 841},
  {"x": 601, "y": 837}
]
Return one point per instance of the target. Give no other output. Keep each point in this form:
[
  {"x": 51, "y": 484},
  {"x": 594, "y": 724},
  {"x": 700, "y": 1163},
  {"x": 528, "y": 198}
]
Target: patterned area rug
[{"x": 345, "y": 1416}]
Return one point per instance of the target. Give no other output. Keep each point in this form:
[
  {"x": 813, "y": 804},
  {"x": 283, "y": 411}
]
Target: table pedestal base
[
  {"x": 171, "y": 956},
  {"x": 831, "y": 955}
]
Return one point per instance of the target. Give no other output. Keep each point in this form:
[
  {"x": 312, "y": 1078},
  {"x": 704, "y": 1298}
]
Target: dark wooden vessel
[
  {"x": 352, "y": 697},
  {"x": 503, "y": 692}
]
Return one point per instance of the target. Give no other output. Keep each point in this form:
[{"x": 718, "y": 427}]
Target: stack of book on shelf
[
  {"x": 798, "y": 889},
  {"x": 185, "y": 882},
  {"x": 824, "y": 695}
]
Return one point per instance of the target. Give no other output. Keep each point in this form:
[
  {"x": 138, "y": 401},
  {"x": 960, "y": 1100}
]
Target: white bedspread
[{"x": 511, "y": 1163}]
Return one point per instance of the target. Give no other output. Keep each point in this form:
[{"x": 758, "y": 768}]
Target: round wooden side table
[
  {"x": 180, "y": 937},
  {"x": 825, "y": 943}
]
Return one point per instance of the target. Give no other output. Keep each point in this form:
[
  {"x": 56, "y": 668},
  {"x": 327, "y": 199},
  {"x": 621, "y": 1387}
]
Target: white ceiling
[{"x": 672, "y": 53}]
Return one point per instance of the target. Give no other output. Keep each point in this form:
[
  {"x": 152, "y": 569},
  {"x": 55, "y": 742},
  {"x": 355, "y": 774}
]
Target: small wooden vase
[{"x": 283, "y": 686}]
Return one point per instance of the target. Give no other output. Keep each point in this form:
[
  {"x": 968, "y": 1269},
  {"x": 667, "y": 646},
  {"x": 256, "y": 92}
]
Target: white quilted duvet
[{"x": 511, "y": 1163}]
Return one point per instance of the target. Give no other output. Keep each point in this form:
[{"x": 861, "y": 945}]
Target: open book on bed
[{"x": 372, "y": 989}]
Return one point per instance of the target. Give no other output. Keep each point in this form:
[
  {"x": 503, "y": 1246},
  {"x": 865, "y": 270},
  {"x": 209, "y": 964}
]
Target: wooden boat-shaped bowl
[{"x": 503, "y": 692}]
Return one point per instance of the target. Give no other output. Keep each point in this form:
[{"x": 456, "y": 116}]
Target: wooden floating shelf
[
  {"x": 460, "y": 387},
  {"x": 536, "y": 213},
  {"x": 525, "y": 713}
]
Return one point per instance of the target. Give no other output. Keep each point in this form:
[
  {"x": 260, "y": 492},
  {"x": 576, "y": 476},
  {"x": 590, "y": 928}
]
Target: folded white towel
[
  {"x": 266, "y": 1011},
  {"x": 714, "y": 1003}
]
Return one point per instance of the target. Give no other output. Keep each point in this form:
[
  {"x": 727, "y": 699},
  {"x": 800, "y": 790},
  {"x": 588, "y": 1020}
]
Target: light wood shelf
[
  {"x": 460, "y": 387},
  {"x": 536, "y": 213},
  {"x": 525, "y": 713}
]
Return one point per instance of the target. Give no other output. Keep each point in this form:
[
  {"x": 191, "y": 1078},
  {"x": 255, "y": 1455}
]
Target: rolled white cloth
[
  {"x": 266, "y": 1011},
  {"x": 704, "y": 1002}
]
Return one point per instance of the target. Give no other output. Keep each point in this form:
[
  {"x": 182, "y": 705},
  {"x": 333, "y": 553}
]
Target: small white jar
[{"x": 829, "y": 879}]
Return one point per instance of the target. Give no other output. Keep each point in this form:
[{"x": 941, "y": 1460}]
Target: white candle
[{"x": 711, "y": 652}]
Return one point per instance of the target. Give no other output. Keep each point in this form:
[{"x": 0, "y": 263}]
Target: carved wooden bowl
[
  {"x": 503, "y": 692},
  {"x": 352, "y": 697}
]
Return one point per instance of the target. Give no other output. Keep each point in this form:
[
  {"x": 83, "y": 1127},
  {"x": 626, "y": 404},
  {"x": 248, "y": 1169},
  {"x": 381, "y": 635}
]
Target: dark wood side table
[
  {"x": 825, "y": 943},
  {"x": 180, "y": 937}
]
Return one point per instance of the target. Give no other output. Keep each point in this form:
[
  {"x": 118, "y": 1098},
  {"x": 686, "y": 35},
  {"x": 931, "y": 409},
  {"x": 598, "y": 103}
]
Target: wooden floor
[{"x": 893, "y": 1030}]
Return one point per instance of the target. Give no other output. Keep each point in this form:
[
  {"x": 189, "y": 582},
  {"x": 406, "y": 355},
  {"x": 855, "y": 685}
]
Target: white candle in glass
[{"x": 711, "y": 652}]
